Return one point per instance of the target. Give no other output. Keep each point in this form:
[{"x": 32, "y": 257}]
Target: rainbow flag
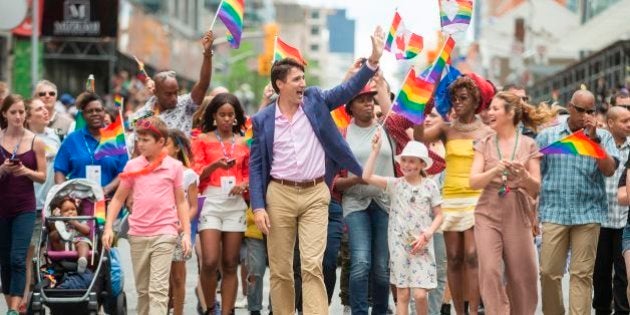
[
  {"x": 284, "y": 50},
  {"x": 231, "y": 14},
  {"x": 403, "y": 43},
  {"x": 112, "y": 140},
  {"x": 455, "y": 15},
  {"x": 340, "y": 117},
  {"x": 99, "y": 211},
  {"x": 413, "y": 97},
  {"x": 440, "y": 62},
  {"x": 118, "y": 101},
  {"x": 249, "y": 131},
  {"x": 576, "y": 143}
]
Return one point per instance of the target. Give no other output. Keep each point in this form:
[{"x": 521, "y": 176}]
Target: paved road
[{"x": 191, "y": 301}]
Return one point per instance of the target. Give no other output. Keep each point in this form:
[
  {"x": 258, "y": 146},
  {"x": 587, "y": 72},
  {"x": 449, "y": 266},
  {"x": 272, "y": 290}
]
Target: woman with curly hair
[
  {"x": 221, "y": 158},
  {"x": 470, "y": 94}
]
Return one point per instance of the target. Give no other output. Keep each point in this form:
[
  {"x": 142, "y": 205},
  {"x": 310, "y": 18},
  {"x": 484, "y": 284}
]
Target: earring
[
  {"x": 235, "y": 122},
  {"x": 214, "y": 122}
]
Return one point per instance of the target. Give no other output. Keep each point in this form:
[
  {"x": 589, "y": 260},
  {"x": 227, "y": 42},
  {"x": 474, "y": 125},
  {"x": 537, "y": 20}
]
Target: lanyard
[
  {"x": 223, "y": 145},
  {"x": 90, "y": 152},
  {"x": 17, "y": 146}
]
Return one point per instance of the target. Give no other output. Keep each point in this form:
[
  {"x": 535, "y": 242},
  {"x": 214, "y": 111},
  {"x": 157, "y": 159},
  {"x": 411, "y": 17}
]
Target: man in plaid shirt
[
  {"x": 609, "y": 252},
  {"x": 572, "y": 207}
]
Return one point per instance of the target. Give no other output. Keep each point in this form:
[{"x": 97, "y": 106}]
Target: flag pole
[
  {"x": 216, "y": 14},
  {"x": 122, "y": 123},
  {"x": 391, "y": 108}
]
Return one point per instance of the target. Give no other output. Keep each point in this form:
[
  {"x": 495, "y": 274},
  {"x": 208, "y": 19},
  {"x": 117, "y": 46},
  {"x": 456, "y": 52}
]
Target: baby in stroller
[{"x": 72, "y": 234}]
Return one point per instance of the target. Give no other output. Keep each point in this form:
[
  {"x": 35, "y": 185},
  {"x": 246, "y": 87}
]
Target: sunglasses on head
[
  {"x": 50, "y": 93},
  {"x": 147, "y": 125},
  {"x": 583, "y": 110}
]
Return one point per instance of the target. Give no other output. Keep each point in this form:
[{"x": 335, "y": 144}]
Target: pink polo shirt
[
  {"x": 297, "y": 153},
  {"x": 154, "y": 209}
]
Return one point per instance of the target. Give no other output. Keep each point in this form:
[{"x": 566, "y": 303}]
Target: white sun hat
[{"x": 416, "y": 149}]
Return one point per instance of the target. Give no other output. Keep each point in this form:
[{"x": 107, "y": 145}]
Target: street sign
[{"x": 12, "y": 13}]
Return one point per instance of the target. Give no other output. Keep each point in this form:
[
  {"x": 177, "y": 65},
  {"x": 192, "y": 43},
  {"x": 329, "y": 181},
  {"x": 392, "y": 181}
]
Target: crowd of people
[{"x": 447, "y": 212}]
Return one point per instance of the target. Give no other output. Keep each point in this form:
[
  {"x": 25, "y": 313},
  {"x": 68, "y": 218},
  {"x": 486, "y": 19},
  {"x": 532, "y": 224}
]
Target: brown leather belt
[{"x": 304, "y": 184}]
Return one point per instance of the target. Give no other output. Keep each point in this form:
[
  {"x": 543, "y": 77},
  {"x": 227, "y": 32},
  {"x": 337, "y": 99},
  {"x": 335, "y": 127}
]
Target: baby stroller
[{"x": 59, "y": 286}]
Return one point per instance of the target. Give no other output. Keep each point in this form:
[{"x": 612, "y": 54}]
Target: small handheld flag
[
  {"x": 249, "y": 131},
  {"x": 413, "y": 97},
  {"x": 112, "y": 140},
  {"x": 401, "y": 42},
  {"x": 284, "y": 50},
  {"x": 141, "y": 68},
  {"x": 577, "y": 143},
  {"x": 118, "y": 101},
  {"x": 435, "y": 74},
  {"x": 231, "y": 12},
  {"x": 99, "y": 211},
  {"x": 455, "y": 15},
  {"x": 340, "y": 117}
]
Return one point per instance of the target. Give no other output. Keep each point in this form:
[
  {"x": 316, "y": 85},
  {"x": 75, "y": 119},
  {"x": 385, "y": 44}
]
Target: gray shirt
[{"x": 358, "y": 197}]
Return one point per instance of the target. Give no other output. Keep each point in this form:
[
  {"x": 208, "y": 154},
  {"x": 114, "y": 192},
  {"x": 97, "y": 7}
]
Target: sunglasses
[
  {"x": 50, "y": 93},
  {"x": 583, "y": 110},
  {"x": 626, "y": 106},
  {"x": 147, "y": 125}
]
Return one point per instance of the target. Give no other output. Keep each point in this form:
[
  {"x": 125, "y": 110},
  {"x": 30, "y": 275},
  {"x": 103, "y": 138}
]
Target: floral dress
[{"x": 411, "y": 213}]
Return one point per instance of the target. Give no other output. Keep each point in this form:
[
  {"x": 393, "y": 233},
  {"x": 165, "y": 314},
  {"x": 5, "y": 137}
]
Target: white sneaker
[
  {"x": 241, "y": 303},
  {"x": 63, "y": 232},
  {"x": 347, "y": 310},
  {"x": 81, "y": 264}
]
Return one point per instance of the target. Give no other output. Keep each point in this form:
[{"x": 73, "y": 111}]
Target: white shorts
[{"x": 222, "y": 213}]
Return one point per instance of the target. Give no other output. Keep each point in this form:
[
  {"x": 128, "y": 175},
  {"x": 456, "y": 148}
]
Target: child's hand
[
  {"x": 419, "y": 244},
  {"x": 376, "y": 140},
  {"x": 186, "y": 246},
  {"x": 56, "y": 212}
]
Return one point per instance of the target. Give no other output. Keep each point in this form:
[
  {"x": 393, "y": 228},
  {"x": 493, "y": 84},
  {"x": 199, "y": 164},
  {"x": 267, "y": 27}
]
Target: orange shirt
[{"x": 206, "y": 151}]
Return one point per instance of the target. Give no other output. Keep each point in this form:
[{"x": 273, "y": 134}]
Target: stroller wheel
[{"x": 118, "y": 305}]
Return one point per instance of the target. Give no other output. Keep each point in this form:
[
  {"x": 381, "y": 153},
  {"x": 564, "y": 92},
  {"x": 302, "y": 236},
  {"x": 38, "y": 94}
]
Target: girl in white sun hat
[{"x": 414, "y": 216}]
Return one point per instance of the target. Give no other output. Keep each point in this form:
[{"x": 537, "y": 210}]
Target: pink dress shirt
[{"x": 297, "y": 153}]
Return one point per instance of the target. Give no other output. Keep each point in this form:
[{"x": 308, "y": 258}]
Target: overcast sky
[{"x": 419, "y": 16}]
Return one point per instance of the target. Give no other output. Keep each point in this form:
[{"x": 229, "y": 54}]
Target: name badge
[
  {"x": 93, "y": 173},
  {"x": 227, "y": 183}
]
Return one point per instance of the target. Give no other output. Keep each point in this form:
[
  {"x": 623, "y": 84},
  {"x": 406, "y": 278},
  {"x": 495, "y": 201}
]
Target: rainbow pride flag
[
  {"x": 401, "y": 42},
  {"x": 284, "y": 50},
  {"x": 118, "y": 101},
  {"x": 413, "y": 97},
  {"x": 440, "y": 62},
  {"x": 99, "y": 212},
  {"x": 112, "y": 140},
  {"x": 455, "y": 15},
  {"x": 576, "y": 143},
  {"x": 249, "y": 132},
  {"x": 231, "y": 14},
  {"x": 340, "y": 117}
]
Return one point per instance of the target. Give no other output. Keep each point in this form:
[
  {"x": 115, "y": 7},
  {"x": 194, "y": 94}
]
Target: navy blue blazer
[{"x": 317, "y": 105}]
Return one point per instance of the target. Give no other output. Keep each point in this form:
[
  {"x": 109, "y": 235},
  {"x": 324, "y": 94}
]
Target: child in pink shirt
[{"x": 159, "y": 210}]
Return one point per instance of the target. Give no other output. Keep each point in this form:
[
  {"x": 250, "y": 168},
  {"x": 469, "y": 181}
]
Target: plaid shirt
[
  {"x": 617, "y": 215},
  {"x": 573, "y": 190}
]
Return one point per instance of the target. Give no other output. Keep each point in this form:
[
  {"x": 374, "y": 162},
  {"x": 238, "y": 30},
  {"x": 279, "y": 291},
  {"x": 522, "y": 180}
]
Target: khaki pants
[
  {"x": 151, "y": 257},
  {"x": 556, "y": 241},
  {"x": 303, "y": 211}
]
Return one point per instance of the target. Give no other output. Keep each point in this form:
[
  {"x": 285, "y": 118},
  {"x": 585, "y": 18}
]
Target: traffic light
[{"x": 265, "y": 59}]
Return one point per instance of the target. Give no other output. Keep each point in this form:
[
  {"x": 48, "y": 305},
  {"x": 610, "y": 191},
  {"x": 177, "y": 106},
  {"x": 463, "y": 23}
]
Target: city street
[{"x": 191, "y": 301}]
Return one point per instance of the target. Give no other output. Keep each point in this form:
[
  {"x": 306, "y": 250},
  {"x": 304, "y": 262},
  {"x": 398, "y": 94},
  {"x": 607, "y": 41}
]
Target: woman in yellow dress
[{"x": 469, "y": 95}]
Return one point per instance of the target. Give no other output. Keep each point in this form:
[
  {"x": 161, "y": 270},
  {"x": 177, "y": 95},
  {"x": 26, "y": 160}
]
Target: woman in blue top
[{"x": 75, "y": 158}]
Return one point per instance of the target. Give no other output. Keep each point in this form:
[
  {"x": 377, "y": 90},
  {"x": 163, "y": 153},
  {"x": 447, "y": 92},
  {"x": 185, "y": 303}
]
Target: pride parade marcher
[
  {"x": 572, "y": 206},
  {"x": 23, "y": 163},
  {"x": 608, "y": 286},
  {"x": 470, "y": 95},
  {"x": 177, "y": 111},
  {"x": 221, "y": 158},
  {"x": 506, "y": 166},
  {"x": 288, "y": 192}
]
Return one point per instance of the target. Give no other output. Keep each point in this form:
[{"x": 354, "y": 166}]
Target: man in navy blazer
[{"x": 296, "y": 147}]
